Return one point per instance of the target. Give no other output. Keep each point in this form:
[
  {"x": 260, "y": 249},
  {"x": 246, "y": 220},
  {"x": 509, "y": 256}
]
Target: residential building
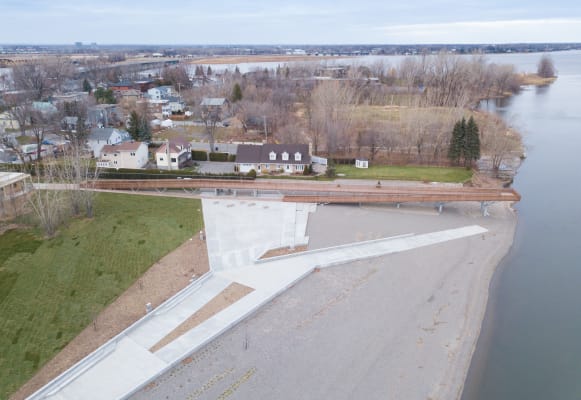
[
  {"x": 100, "y": 137},
  {"x": 14, "y": 187},
  {"x": 121, "y": 87},
  {"x": 217, "y": 104},
  {"x": 103, "y": 115},
  {"x": 131, "y": 155},
  {"x": 270, "y": 158},
  {"x": 174, "y": 156},
  {"x": 160, "y": 92}
]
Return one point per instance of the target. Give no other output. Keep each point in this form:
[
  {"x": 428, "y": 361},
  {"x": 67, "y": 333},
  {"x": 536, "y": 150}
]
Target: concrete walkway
[{"x": 237, "y": 233}]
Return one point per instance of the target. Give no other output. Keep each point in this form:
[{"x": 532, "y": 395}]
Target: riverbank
[{"x": 402, "y": 326}]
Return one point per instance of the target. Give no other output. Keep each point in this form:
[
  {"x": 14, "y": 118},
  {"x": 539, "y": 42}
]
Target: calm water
[{"x": 530, "y": 347}]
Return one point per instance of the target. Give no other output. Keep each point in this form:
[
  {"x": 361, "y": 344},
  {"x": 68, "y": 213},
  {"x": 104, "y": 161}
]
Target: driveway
[{"x": 214, "y": 167}]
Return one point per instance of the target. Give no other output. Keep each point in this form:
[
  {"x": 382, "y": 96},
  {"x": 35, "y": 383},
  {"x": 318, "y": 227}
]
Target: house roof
[
  {"x": 121, "y": 84},
  {"x": 101, "y": 133},
  {"x": 248, "y": 153},
  {"x": 118, "y": 148},
  {"x": 172, "y": 149},
  {"x": 180, "y": 141},
  {"x": 8, "y": 178},
  {"x": 213, "y": 101}
]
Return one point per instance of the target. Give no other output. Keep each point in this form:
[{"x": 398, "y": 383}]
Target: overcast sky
[{"x": 294, "y": 22}]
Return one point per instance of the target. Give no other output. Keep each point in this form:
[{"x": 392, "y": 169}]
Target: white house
[
  {"x": 176, "y": 155},
  {"x": 160, "y": 92},
  {"x": 131, "y": 155},
  {"x": 100, "y": 137},
  {"x": 285, "y": 158}
]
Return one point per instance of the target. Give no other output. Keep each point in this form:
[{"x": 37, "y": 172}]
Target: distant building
[
  {"x": 160, "y": 92},
  {"x": 361, "y": 163}
]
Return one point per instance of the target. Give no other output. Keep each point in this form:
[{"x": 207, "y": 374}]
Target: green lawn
[
  {"x": 406, "y": 173},
  {"x": 51, "y": 289}
]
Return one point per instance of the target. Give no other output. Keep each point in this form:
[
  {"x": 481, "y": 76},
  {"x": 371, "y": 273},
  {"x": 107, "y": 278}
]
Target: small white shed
[{"x": 361, "y": 163}]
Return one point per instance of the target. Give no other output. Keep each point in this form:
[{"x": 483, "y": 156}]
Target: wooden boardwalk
[{"x": 324, "y": 192}]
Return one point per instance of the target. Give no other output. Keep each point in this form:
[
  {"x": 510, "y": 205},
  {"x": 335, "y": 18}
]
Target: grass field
[
  {"x": 406, "y": 173},
  {"x": 51, "y": 289}
]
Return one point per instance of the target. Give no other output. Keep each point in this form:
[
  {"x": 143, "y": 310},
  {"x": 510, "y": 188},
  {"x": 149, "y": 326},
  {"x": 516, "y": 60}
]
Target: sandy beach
[{"x": 401, "y": 326}]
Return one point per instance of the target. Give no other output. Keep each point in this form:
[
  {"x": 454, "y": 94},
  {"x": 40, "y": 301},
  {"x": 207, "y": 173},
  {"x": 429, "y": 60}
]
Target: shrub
[
  {"x": 251, "y": 173},
  {"x": 218, "y": 156},
  {"x": 199, "y": 155},
  {"x": 331, "y": 171},
  {"x": 232, "y": 158}
]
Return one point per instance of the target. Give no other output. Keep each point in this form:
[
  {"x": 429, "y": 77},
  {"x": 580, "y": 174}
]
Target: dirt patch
[
  {"x": 283, "y": 251},
  {"x": 227, "y": 297},
  {"x": 8, "y": 227},
  {"x": 165, "y": 278}
]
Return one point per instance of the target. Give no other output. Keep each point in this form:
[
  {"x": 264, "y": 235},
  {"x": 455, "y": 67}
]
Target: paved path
[{"x": 125, "y": 364}]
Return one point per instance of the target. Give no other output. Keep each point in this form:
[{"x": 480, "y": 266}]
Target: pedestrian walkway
[{"x": 125, "y": 364}]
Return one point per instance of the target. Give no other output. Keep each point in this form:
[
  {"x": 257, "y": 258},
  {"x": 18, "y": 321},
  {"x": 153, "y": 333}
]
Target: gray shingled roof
[
  {"x": 213, "y": 101},
  {"x": 101, "y": 133},
  {"x": 248, "y": 153}
]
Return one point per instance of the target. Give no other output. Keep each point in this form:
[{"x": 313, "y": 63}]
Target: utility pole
[
  {"x": 265, "y": 129},
  {"x": 168, "y": 154}
]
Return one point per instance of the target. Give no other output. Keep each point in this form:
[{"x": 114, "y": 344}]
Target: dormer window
[
  {"x": 272, "y": 155},
  {"x": 285, "y": 156},
  {"x": 298, "y": 156}
]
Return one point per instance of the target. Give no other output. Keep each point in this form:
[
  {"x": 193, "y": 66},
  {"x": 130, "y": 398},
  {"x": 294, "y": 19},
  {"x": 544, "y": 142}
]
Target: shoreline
[
  {"x": 406, "y": 324},
  {"x": 485, "y": 296}
]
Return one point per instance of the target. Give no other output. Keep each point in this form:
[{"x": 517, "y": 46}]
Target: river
[{"x": 530, "y": 345}]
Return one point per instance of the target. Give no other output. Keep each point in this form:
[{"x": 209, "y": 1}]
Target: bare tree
[
  {"x": 32, "y": 78},
  {"x": 76, "y": 165},
  {"x": 333, "y": 112},
  {"x": 546, "y": 67},
  {"x": 42, "y": 122},
  {"x": 498, "y": 141},
  {"x": 210, "y": 115},
  {"x": 49, "y": 206}
]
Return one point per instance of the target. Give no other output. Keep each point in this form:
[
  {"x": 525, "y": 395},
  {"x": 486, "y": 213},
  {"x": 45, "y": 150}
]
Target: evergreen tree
[
  {"x": 456, "y": 149},
  {"x": 209, "y": 71},
  {"x": 236, "y": 93},
  {"x": 472, "y": 142},
  {"x": 87, "y": 86},
  {"x": 133, "y": 127},
  {"x": 105, "y": 96},
  {"x": 144, "y": 129}
]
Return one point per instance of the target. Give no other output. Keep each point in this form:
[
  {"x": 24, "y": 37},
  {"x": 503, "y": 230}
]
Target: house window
[
  {"x": 104, "y": 154},
  {"x": 300, "y": 167},
  {"x": 285, "y": 156},
  {"x": 115, "y": 162},
  {"x": 267, "y": 166},
  {"x": 288, "y": 167},
  {"x": 133, "y": 154},
  {"x": 278, "y": 166},
  {"x": 160, "y": 158},
  {"x": 173, "y": 159},
  {"x": 298, "y": 156},
  {"x": 272, "y": 155},
  {"x": 115, "y": 154}
]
